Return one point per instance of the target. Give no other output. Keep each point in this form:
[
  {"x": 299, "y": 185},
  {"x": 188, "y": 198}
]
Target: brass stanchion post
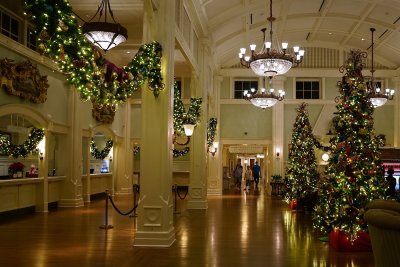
[
  {"x": 135, "y": 190},
  {"x": 106, "y": 225},
  {"x": 176, "y": 192}
]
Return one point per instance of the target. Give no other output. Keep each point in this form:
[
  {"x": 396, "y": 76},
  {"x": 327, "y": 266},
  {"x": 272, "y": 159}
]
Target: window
[
  {"x": 307, "y": 89},
  {"x": 241, "y": 85},
  {"x": 9, "y": 26},
  {"x": 31, "y": 38}
]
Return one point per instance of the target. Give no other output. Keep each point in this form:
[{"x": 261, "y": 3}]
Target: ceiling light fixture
[
  {"x": 263, "y": 98},
  {"x": 270, "y": 62},
  {"x": 103, "y": 34},
  {"x": 377, "y": 97}
]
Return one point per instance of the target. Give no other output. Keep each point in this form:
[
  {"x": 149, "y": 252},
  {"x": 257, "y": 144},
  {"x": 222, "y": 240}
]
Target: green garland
[
  {"x": 176, "y": 152},
  {"x": 15, "y": 151},
  {"x": 60, "y": 37},
  {"x": 211, "y": 131},
  {"x": 181, "y": 117},
  {"x": 96, "y": 153},
  {"x": 180, "y": 153}
]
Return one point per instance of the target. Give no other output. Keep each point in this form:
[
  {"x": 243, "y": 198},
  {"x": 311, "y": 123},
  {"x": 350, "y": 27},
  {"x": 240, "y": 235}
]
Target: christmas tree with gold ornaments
[
  {"x": 301, "y": 174},
  {"x": 354, "y": 175}
]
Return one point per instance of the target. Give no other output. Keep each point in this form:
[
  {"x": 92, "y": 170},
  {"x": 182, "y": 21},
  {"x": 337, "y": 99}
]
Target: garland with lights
[
  {"x": 181, "y": 152},
  {"x": 136, "y": 150},
  {"x": 176, "y": 152},
  {"x": 30, "y": 145},
  {"x": 354, "y": 176},
  {"x": 60, "y": 37},
  {"x": 100, "y": 154},
  {"x": 301, "y": 175},
  {"x": 181, "y": 117},
  {"x": 211, "y": 131}
]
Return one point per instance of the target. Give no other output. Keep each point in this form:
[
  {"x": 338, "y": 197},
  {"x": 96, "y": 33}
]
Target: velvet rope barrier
[{"x": 119, "y": 211}]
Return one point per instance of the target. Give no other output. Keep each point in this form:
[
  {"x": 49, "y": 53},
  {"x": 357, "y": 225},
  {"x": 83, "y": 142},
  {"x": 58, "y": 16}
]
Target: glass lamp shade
[
  {"x": 189, "y": 129},
  {"x": 105, "y": 35},
  {"x": 263, "y": 102},
  {"x": 378, "y": 101},
  {"x": 270, "y": 67}
]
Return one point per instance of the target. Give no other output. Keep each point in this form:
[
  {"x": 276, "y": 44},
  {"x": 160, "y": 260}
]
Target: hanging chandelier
[
  {"x": 103, "y": 34},
  {"x": 263, "y": 98},
  {"x": 378, "y": 98},
  {"x": 270, "y": 62}
]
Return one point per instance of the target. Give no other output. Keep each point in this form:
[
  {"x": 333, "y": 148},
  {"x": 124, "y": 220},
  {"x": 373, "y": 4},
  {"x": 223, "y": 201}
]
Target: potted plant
[
  {"x": 276, "y": 177},
  {"x": 16, "y": 169}
]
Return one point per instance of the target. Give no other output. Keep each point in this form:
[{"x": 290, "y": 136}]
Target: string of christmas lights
[
  {"x": 6, "y": 147},
  {"x": 301, "y": 174},
  {"x": 100, "y": 154},
  {"x": 211, "y": 131},
  {"x": 60, "y": 37},
  {"x": 354, "y": 175}
]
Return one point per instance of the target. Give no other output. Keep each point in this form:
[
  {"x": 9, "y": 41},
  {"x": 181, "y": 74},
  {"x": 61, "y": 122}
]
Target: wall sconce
[
  {"x": 213, "y": 148},
  {"x": 246, "y": 161},
  {"x": 110, "y": 154},
  {"x": 189, "y": 129},
  {"x": 41, "y": 148},
  {"x": 278, "y": 152}
]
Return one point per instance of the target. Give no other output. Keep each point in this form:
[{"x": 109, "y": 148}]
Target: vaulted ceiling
[{"x": 231, "y": 24}]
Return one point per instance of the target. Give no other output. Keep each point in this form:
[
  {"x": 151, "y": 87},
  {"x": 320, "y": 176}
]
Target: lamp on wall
[
  {"x": 110, "y": 154},
  {"x": 188, "y": 129},
  {"x": 278, "y": 152},
  {"x": 213, "y": 148},
  {"x": 41, "y": 148},
  {"x": 103, "y": 34},
  {"x": 270, "y": 62},
  {"x": 378, "y": 98}
]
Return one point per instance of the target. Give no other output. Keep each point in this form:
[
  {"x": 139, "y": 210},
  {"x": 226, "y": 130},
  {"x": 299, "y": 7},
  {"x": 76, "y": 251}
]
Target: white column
[
  {"x": 396, "y": 100},
  {"x": 155, "y": 214},
  {"x": 215, "y": 180},
  {"x": 42, "y": 189},
  {"x": 198, "y": 148},
  {"x": 277, "y": 138},
  {"x": 72, "y": 187},
  {"x": 124, "y": 156}
]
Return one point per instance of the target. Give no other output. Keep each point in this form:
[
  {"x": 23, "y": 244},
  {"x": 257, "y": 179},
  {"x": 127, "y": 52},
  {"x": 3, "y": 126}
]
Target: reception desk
[
  {"x": 23, "y": 192},
  {"x": 96, "y": 184}
]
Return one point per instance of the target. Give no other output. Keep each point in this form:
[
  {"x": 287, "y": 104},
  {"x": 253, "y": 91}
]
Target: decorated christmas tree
[
  {"x": 301, "y": 174},
  {"x": 354, "y": 175}
]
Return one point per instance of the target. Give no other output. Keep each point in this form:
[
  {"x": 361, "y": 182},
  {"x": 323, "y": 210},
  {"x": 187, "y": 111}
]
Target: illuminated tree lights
[
  {"x": 30, "y": 145},
  {"x": 60, "y": 37},
  {"x": 301, "y": 174},
  {"x": 354, "y": 175},
  {"x": 100, "y": 154}
]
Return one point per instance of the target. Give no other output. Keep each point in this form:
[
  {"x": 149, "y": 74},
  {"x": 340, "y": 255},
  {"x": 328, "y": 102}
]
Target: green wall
[{"x": 238, "y": 119}]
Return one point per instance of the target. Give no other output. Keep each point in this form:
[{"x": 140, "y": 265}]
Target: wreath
[
  {"x": 100, "y": 154},
  {"x": 6, "y": 147}
]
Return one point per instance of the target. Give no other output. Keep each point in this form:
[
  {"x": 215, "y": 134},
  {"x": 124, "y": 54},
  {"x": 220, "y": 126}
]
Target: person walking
[
  {"x": 256, "y": 173},
  {"x": 237, "y": 173},
  {"x": 248, "y": 175}
]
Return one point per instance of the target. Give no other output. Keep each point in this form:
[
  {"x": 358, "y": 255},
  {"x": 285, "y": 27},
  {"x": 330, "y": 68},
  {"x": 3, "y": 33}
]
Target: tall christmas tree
[
  {"x": 301, "y": 174},
  {"x": 354, "y": 175}
]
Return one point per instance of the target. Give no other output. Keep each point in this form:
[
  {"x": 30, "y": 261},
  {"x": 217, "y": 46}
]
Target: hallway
[{"x": 238, "y": 229}]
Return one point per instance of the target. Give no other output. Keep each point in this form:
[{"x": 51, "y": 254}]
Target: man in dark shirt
[{"x": 256, "y": 173}]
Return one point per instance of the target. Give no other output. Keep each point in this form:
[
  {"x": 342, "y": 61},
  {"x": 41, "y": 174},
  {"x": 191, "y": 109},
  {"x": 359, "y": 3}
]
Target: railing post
[{"x": 106, "y": 225}]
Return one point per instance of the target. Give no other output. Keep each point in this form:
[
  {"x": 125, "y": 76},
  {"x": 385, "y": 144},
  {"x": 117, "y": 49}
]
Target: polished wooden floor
[{"x": 238, "y": 229}]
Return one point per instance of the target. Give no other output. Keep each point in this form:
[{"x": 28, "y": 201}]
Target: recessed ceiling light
[
  {"x": 330, "y": 33},
  {"x": 128, "y": 52},
  {"x": 362, "y": 39}
]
